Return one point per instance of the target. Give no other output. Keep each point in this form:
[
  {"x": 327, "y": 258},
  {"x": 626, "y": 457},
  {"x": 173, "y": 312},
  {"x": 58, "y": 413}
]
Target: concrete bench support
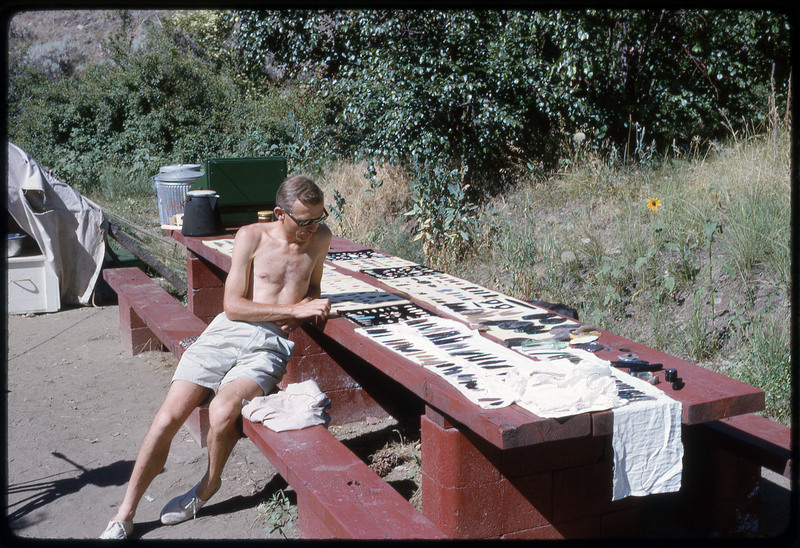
[
  {"x": 150, "y": 318},
  {"x": 722, "y": 471},
  {"x": 554, "y": 490}
]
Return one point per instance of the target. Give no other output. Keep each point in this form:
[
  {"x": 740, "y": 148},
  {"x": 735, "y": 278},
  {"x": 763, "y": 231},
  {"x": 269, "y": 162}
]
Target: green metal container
[{"x": 245, "y": 186}]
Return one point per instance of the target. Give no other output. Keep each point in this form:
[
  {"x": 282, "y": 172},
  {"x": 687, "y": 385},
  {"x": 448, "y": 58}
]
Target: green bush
[
  {"x": 446, "y": 219},
  {"x": 495, "y": 94},
  {"x": 494, "y": 89}
]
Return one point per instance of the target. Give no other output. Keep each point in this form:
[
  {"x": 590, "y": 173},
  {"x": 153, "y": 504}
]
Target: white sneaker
[
  {"x": 183, "y": 507},
  {"x": 117, "y": 530}
]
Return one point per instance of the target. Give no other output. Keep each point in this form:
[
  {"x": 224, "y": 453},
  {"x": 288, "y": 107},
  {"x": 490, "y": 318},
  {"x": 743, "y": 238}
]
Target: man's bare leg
[
  {"x": 181, "y": 399},
  {"x": 224, "y": 414}
]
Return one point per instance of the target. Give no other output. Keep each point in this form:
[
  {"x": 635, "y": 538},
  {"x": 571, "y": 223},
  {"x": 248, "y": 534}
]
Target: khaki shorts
[{"x": 228, "y": 350}]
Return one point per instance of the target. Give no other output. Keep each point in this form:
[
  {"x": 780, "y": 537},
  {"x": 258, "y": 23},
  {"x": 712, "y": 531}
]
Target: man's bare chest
[{"x": 282, "y": 269}]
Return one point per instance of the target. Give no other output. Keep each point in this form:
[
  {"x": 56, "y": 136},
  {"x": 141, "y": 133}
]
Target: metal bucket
[
  {"x": 172, "y": 169},
  {"x": 171, "y": 186}
]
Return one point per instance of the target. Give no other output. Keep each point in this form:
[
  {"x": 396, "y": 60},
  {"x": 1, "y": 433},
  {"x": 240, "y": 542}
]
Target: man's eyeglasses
[{"x": 306, "y": 222}]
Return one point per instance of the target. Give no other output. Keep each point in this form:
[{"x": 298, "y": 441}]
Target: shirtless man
[{"x": 272, "y": 288}]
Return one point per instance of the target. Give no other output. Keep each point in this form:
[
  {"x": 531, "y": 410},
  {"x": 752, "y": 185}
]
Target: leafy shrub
[
  {"x": 445, "y": 216},
  {"x": 278, "y": 513},
  {"x": 491, "y": 89},
  {"x": 493, "y": 93},
  {"x": 205, "y": 33}
]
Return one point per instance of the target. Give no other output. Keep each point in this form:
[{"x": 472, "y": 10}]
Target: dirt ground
[{"x": 77, "y": 408}]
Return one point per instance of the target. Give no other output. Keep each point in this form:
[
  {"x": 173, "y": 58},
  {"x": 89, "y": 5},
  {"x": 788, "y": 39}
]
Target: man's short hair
[{"x": 298, "y": 187}]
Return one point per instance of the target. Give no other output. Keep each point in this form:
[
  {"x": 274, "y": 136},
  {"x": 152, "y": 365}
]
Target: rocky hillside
[{"x": 71, "y": 37}]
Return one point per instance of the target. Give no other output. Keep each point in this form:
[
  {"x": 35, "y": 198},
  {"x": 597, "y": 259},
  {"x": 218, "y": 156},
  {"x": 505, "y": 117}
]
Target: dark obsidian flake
[
  {"x": 515, "y": 341},
  {"x": 593, "y": 346},
  {"x": 541, "y": 316},
  {"x": 553, "y": 321}
]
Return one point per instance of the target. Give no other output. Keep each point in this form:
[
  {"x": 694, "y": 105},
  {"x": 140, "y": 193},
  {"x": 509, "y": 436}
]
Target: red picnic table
[{"x": 486, "y": 473}]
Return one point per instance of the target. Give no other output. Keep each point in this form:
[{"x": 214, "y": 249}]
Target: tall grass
[
  {"x": 758, "y": 233},
  {"x": 765, "y": 361},
  {"x": 665, "y": 278},
  {"x": 371, "y": 210}
]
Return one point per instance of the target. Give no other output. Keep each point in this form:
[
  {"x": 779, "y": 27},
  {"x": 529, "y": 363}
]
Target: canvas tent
[{"x": 69, "y": 228}]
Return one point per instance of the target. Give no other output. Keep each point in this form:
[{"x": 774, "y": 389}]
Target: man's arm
[{"x": 315, "y": 282}]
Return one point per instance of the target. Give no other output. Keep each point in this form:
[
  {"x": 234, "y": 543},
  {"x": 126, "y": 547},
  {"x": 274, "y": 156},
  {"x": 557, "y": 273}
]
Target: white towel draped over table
[
  {"x": 559, "y": 388},
  {"x": 648, "y": 451}
]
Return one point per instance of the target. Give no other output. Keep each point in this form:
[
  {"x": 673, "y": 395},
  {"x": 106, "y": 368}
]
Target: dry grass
[{"x": 364, "y": 209}]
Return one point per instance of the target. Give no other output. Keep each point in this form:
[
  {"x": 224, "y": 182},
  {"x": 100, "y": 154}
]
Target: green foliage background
[
  {"x": 153, "y": 105},
  {"x": 489, "y": 95},
  {"x": 487, "y": 92}
]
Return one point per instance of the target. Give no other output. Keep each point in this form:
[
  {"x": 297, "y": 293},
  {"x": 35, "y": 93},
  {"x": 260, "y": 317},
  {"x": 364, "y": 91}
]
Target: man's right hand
[
  {"x": 308, "y": 309},
  {"x": 316, "y": 309}
]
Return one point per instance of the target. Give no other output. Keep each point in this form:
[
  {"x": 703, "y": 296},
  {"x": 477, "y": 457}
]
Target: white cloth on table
[
  {"x": 561, "y": 388},
  {"x": 299, "y": 406},
  {"x": 648, "y": 451}
]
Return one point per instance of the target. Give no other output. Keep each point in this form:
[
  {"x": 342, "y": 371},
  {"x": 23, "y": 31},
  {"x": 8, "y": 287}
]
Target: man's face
[{"x": 297, "y": 215}]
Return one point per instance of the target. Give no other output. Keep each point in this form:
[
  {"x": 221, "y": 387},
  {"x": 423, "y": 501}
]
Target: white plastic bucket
[{"x": 171, "y": 183}]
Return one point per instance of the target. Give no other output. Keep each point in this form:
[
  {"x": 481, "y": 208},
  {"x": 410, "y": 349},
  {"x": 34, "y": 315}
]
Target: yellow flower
[{"x": 653, "y": 204}]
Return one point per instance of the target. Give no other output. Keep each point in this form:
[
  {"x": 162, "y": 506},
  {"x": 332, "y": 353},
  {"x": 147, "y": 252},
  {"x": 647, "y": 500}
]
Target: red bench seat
[
  {"x": 337, "y": 493},
  {"x": 757, "y": 439}
]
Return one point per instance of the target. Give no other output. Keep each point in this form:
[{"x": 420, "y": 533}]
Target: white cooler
[{"x": 32, "y": 285}]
